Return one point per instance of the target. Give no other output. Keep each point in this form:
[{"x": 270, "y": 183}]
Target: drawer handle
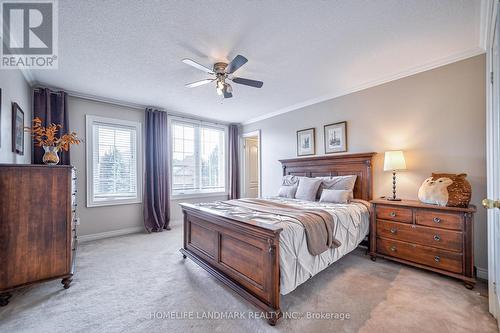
[
  {"x": 437, "y": 220},
  {"x": 394, "y": 230},
  {"x": 437, "y": 259},
  {"x": 393, "y": 214},
  {"x": 437, "y": 238},
  {"x": 393, "y": 248}
]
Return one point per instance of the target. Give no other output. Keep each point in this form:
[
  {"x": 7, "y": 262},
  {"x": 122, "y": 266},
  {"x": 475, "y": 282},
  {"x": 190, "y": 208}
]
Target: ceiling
[{"x": 304, "y": 51}]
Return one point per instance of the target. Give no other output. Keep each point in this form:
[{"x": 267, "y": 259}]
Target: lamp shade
[{"x": 394, "y": 160}]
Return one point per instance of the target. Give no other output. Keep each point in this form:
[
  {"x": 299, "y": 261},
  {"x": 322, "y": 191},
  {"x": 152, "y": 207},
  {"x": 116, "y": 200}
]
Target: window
[
  {"x": 113, "y": 161},
  {"x": 198, "y": 157}
]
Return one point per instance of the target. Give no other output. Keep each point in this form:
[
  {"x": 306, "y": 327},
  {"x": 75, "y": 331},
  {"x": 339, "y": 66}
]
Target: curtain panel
[
  {"x": 51, "y": 107},
  {"x": 156, "y": 175},
  {"x": 234, "y": 171}
]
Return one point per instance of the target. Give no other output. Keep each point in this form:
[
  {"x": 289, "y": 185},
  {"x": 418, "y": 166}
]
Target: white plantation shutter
[{"x": 115, "y": 161}]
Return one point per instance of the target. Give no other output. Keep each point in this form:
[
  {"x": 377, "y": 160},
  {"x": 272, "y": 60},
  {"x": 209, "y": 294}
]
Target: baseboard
[
  {"x": 108, "y": 234},
  {"x": 482, "y": 273}
]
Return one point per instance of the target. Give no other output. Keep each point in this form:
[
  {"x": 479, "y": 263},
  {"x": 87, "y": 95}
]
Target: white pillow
[
  {"x": 288, "y": 186},
  {"x": 308, "y": 188},
  {"x": 287, "y": 191},
  {"x": 335, "y": 196},
  {"x": 338, "y": 183}
]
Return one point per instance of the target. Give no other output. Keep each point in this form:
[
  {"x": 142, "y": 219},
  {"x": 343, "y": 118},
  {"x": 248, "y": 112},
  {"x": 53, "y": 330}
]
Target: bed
[{"x": 260, "y": 256}]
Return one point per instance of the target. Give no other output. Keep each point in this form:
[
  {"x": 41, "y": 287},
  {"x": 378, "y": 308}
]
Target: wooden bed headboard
[{"x": 336, "y": 165}]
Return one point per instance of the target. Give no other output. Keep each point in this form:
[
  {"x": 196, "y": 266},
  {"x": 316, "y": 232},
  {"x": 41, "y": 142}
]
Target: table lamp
[{"x": 394, "y": 160}]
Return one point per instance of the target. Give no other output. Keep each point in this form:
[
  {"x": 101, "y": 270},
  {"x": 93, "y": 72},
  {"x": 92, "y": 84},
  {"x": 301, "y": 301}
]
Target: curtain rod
[{"x": 94, "y": 98}]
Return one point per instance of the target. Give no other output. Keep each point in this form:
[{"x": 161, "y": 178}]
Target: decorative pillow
[
  {"x": 335, "y": 196},
  {"x": 459, "y": 192},
  {"x": 308, "y": 188},
  {"x": 434, "y": 192},
  {"x": 338, "y": 183},
  {"x": 288, "y": 186},
  {"x": 287, "y": 191},
  {"x": 446, "y": 189}
]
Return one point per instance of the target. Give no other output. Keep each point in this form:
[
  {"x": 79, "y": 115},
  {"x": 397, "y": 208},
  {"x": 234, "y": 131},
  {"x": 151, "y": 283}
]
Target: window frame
[
  {"x": 199, "y": 123},
  {"x": 89, "y": 157}
]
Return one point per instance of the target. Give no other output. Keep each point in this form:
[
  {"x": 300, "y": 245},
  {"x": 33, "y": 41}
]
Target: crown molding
[
  {"x": 415, "y": 70},
  {"x": 130, "y": 105},
  {"x": 486, "y": 15}
]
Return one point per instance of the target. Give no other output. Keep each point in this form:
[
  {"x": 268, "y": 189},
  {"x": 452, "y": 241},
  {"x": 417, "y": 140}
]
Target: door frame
[
  {"x": 256, "y": 133},
  {"x": 492, "y": 117}
]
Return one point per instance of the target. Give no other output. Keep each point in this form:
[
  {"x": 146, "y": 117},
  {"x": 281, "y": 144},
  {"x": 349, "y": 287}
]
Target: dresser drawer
[
  {"x": 442, "y": 259},
  {"x": 400, "y": 214},
  {"x": 439, "y": 219},
  {"x": 443, "y": 239}
]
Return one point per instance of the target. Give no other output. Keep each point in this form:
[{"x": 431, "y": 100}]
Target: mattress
[{"x": 297, "y": 265}]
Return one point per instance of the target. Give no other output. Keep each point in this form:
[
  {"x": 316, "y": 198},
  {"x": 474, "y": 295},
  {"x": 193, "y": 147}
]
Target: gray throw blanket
[{"x": 318, "y": 224}]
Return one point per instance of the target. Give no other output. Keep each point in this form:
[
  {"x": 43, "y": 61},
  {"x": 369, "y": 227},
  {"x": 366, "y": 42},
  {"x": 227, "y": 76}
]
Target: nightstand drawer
[
  {"x": 443, "y": 239},
  {"x": 446, "y": 260},
  {"x": 439, "y": 220},
  {"x": 394, "y": 214}
]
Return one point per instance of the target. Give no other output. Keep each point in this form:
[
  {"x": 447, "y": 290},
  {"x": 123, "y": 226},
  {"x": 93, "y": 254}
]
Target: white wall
[
  {"x": 437, "y": 117},
  {"x": 14, "y": 89},
  {"x": 97, "y": 220}
]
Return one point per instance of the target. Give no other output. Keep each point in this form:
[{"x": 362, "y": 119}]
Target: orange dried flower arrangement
[{"x": 47, "y": 138}]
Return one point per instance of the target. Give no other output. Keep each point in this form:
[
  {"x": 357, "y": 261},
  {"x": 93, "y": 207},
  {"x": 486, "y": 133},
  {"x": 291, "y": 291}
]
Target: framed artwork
[
  {"x": 306, "y": 142},
  {"x": 17, "y": 129},
  {"x": 336, "y": 137}
]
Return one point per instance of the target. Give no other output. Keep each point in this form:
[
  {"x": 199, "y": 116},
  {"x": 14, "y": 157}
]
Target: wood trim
[
  {"x": 418, "y": 204},
  {"x": 258, "y": 284}
]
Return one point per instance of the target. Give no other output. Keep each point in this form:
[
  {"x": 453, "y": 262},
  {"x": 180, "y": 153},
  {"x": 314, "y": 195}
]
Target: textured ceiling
[{"x": 304, "y": 51}]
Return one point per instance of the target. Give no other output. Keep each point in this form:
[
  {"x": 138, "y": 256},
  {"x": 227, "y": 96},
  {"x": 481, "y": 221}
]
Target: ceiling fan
[{"x": 223, "y": 71}]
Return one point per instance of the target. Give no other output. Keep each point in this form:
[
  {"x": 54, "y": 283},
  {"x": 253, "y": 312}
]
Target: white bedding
[{"x": 297, "y": 265}]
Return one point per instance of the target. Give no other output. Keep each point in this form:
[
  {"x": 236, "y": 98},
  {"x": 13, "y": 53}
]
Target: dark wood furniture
[
  {"x": 37, "y": 226},
  {"x": 439, "y": 239},
  {"x": 244, "y": 254}
]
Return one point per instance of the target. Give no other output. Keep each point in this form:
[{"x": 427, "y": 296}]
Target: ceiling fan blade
[
  {"x": 228, "y": 94},
  {"x": 236, "y": 63},
  {"x": 248, "y": 82},
  {"x": 197, "y": 65},
  {"x": 199, "y": 83}
]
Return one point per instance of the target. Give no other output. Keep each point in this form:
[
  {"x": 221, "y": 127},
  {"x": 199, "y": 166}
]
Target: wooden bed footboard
[{"x": 244, "y": 255}]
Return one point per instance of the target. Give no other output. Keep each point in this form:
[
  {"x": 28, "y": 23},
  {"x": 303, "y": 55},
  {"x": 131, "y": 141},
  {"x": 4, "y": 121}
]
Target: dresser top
[
  {"x": 418, "y": 204},
  {"x": 12, "y": 165}
]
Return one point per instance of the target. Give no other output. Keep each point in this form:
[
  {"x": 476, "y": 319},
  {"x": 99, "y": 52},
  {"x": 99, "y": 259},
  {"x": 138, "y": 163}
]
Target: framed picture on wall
[
  {"x": 336, "y": 137},
  {"x": 17, "y": 129},
  {"x": 306, "y": 142}
]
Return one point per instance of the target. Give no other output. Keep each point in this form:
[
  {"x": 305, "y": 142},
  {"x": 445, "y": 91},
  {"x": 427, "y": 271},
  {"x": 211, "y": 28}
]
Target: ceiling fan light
[
  {"x": 219, "y": 91},
  {"x": 229, "y": 89}
]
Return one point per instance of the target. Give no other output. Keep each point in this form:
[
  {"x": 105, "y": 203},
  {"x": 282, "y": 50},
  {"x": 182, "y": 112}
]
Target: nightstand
[{"x": 439, "y": 239}]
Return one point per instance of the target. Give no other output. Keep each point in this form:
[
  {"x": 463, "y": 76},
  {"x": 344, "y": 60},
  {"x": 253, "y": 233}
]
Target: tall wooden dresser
[
  {"x": 37, "y": 226},
  {"x": 435, "y": 238}
]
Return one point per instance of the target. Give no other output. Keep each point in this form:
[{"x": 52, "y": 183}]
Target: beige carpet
[{"x": 133, "y": 283}]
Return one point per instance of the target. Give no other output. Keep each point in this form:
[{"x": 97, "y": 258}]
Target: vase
[{"x": 50, "y": 157}]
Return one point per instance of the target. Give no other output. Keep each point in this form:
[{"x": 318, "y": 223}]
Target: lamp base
[{"x": 394, "y": 199}]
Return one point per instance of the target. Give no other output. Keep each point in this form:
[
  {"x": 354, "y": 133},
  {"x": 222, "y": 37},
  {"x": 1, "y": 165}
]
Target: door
[
  {"x": 492, "y": 203},
  {"x": 251, "y": 167}
]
